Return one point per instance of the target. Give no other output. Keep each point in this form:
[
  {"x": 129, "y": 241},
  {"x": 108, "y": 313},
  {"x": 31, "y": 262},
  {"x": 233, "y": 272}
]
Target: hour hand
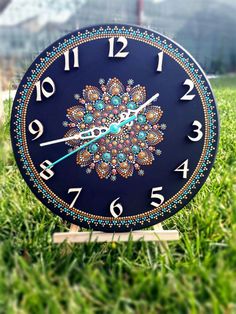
[{"x": 88, "y": 134}]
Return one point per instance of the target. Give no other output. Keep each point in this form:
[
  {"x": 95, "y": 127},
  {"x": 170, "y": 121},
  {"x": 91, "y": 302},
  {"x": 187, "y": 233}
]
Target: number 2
[
  {"x": 187, "y": 96},
  {"x": 120, "y": 53}
]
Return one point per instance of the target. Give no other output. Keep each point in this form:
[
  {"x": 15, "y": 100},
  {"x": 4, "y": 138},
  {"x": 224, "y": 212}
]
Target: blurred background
[{"x": 205, "y": 28}]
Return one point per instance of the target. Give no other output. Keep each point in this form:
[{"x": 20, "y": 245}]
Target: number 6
[{"x": 118, "y": 206}]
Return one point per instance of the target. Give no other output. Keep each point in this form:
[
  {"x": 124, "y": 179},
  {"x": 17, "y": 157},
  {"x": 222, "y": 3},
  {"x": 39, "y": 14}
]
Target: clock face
[{"x": 114, "y": 127}]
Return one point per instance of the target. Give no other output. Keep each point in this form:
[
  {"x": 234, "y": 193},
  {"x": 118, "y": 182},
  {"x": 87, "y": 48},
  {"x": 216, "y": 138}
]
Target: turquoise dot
[
  {"x": 142, "y": 135},
  {"x": 93, "y": 148},
  {"x": 106, "y": 156},
  {"x": 99, "y": 104},
  {"x": 114, "y": 128},
  {"x": 88, "y": 118},
  {"x": 131, "y": 105},
  {"x": 141, "y": 119},
  {"x": 121, "y": 157},
  {"x": 116, "y": 100},
  {"x": 135, "y": 149}
]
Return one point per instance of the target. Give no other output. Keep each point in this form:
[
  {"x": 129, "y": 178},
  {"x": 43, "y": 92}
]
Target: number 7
[{"x": 78, "y": 190}]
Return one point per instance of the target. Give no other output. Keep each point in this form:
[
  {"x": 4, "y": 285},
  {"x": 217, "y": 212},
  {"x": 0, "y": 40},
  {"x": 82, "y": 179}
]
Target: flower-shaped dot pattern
[{"x": 122, "y": 153}]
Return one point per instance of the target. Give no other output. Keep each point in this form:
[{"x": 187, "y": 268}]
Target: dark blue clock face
[{"x": 114, "y": 127}]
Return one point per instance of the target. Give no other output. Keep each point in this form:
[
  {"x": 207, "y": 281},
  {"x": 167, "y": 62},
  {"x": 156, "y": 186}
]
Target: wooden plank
[{"x": 97, "y": 236}]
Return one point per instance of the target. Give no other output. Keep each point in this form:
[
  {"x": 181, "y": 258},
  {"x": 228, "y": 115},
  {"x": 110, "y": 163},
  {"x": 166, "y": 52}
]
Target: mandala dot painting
[{"x": 128, "y": 150}]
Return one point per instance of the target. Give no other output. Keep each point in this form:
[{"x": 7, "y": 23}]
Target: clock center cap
[{"x": 114, "y": 128}]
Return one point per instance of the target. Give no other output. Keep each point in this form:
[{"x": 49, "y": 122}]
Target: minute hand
[
  {"x": 130, "y": 112},
  {"x": 154, "y": 97}
]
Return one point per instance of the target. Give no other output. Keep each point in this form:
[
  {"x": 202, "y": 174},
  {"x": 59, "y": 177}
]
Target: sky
[{"x": 48, "y": 10}]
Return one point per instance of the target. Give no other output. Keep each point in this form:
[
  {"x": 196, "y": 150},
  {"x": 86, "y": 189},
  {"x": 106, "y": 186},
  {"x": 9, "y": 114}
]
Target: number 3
[{"x": 198, "y": 131}]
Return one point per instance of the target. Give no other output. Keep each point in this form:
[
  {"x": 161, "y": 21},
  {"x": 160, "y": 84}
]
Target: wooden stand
[{"x": 77, "y": 236}]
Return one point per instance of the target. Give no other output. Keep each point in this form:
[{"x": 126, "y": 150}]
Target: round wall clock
[{"x": 114, "y": 127}]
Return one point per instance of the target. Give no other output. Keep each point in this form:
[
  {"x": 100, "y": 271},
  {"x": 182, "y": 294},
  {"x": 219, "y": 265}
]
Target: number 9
[{"x": 36, "y": 131}]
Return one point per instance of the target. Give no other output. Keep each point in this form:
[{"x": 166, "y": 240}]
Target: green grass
[{"x": 197, "y": 276}]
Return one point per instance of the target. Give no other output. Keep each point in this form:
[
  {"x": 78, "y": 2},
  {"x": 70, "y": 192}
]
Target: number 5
[{"x": 158, "y": 196}]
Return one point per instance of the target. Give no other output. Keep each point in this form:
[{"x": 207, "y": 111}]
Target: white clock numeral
[
  {"x": 73, "y": 190},
  {"x": 47, "y": 173},
  {"x": 183, "y": 168},
  {"x": 198, "y": 131},
  {"x": 158, "y": 196},
  {"x": 40, "y": 89},
  {"x": 116, "y": 209},
  {"x": 160, "y": 61},
  {"x": 67, "y": 59},
  {"x": 120, "y": 53},
  {"x": 187, "y": 96},
  {"x": 35, "y": 131}
]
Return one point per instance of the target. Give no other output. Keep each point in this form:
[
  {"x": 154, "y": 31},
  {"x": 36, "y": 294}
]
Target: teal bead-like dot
[
  {"x": 131, "y": 105},
  {"x": 135, "y": 149},
  {"x": 142, "y": 135},
  {"x": 106, "y": 157},
  {"x": 116, "y": 100},
  {"x": 141, "y": 119},
  {"x": 121, "y": 157},
  {"x": 93, "y": 148},
  {"x": 88, "y": 118},
  {"x": 99, "y": 104},
  {"x": 114, "y": 128}
]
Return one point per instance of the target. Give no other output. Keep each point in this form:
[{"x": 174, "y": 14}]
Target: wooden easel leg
[
  {"x": 163, "y": 244},
  {"x": 74, "y": 228}
]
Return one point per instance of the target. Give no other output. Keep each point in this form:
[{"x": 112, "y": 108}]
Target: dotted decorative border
[{"x": 48, "y": 57}]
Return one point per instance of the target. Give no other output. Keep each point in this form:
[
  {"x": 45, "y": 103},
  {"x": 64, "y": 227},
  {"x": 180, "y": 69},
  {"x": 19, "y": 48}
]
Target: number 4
[{"x": 183, "y": 168}]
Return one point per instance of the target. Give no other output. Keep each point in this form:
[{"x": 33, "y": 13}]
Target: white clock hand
[
  {"x": 129, "y": 112},
  {"x": 88, "y": 134}
]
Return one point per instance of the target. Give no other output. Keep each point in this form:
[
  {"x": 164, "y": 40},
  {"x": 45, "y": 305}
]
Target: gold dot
[
  {"x": 150, "y": 115},
  {"x": 115, "y": 90},
  {"x": 141, "y": 155}
]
